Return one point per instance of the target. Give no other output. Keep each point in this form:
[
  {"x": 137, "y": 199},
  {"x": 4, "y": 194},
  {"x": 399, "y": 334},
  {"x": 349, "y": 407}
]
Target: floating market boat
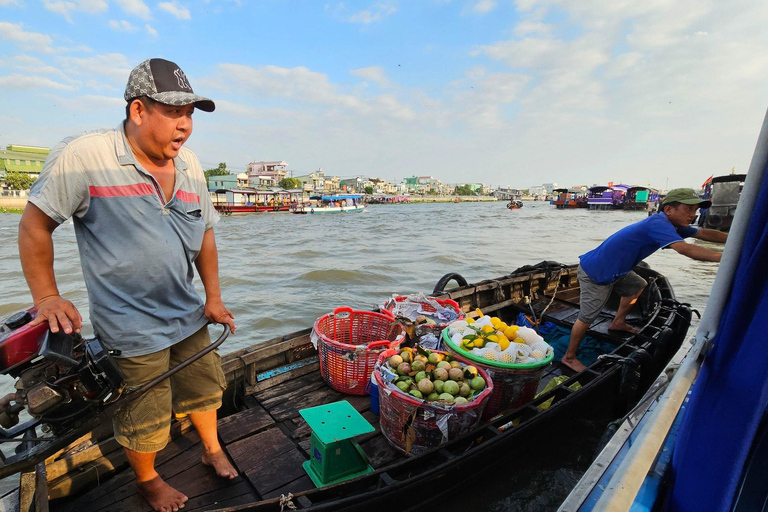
[
  {"x": 565, "y": 199},
  {"x": 724, "y": 193},
  {"x": 244, "y": 200},
  {"x": 514, "y": 204},
  {"x": 639, "y": 198},
  {"x": 267, "y": 438},
  {"x": 339, "y": 203}
]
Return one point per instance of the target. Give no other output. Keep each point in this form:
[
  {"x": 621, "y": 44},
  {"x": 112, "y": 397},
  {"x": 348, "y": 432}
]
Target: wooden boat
[
  {"x": 514, "y": 204},
  {"x": 566, "y": 199},
  {"x": 725, "y": 193},
  {"x": 241, "y": 200},
  {"x": 269, "y": 383},
  {"x": 639, "y": 198},
  {"x": 340, "y": 203}
]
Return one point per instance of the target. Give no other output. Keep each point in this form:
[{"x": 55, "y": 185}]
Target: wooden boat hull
[{"x": 270, "y": 382}]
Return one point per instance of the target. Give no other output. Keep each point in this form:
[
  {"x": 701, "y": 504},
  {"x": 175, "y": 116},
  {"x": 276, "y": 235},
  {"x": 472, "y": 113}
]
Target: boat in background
[
  {"x": 249, "y": 200},
  {"x": 337, "y": 203},
  {"x": 514, "y": 204},
  {"x": 724, "y": 192},
  {"x": 609, "y": 197},
  {"x": 638, "y": 198},
  {"x": 568, "y": 199}
]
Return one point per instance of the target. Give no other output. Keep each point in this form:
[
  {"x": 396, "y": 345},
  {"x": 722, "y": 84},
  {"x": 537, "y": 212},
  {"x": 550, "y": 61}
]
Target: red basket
[
  {"x": 349, "y": 343},
  {"x": 426, "y": 327},
  {"x": 412, "y": 426}
]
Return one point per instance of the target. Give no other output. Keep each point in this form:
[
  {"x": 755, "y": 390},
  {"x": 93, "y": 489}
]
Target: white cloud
[
  {"x": 484, "y": 6},
  {"x": 304, "y": 87},
  {"x": 135, "y": 7},
  {"x": 374, "y": 74},
  {"x": 176, "y": 9},
  {"x": 16, "y": 81},
  {"x": 122, "y": 26},
  {"x": 25, "y": 40},
  {"x": 66, "y": 7},
  {"x": 151, "y": 31},
  {"x": 375, "y": 13},
  {"x": 114, "y": 66},
  {"x": 91, "y": 102},
  {"x": 6, "y": 3},
  {"x": 531, "y": 27}
]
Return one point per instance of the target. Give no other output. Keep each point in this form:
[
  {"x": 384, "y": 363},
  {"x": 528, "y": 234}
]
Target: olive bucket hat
[
  {"x": 685, "y": 196},
  {"x": 164, "y": 82}
]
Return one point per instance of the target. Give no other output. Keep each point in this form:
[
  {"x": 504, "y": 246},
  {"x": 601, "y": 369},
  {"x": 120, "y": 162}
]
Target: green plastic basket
[{"x": 497, "y": 364}]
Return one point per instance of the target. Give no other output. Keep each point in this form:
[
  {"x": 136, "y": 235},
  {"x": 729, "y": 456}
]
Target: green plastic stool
[{"x": 335, "y": 456}]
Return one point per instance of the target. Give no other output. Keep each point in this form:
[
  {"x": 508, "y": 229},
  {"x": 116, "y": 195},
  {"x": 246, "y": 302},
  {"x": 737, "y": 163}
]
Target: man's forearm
[
  {"x": 36, "y": 254},
  {"x": 712, "y": 235},
  {"x": 207, "y": 264},
  {"x": 696, "y": 252}
]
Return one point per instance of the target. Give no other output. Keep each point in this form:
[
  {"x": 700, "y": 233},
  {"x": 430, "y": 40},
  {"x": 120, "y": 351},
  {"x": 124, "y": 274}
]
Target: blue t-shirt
[{"x": 620, "y": 252}]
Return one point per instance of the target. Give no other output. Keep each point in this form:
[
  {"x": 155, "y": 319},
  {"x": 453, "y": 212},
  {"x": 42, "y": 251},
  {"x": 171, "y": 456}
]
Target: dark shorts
[
  {"x": 594, "y": 296},
  {"x": 144, "y": 425}
]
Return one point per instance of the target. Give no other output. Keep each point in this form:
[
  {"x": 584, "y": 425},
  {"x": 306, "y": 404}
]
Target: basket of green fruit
[{"x": 427, "y": 398}]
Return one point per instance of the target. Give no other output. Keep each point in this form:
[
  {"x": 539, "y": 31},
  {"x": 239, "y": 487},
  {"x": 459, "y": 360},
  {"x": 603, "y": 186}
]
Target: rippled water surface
[{"x": 280, "y": 272}]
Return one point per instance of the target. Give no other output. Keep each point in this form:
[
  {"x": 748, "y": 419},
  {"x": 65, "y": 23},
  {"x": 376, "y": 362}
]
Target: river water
[{"x": 279, "y": 272}]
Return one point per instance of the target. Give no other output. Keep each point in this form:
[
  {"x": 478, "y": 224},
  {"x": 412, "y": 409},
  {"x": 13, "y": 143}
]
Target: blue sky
[{"x": 508, "y": 93}]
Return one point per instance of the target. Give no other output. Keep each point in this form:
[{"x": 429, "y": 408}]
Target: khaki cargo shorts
[
  {"x": 593, "y": 296},
  {"x": 144, "y": 425}
]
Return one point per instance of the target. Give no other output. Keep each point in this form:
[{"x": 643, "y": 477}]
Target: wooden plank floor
[{"x": 267, "y": 442}]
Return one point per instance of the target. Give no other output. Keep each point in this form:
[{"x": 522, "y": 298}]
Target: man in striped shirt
[{"x": 143, "y": 222}]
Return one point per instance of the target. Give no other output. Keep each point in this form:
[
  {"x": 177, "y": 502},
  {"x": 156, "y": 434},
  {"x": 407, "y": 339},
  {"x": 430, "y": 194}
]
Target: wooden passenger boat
[
  {"x": 234, "y": 201},
  {"x": 269, "y": 383},
  {"x": 565, "y": 199},
  {"x": 341, "y": 203},
  {"x": 638, "y": 198}
]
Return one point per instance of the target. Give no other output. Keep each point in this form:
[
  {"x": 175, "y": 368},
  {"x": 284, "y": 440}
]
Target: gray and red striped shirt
[{"x": 137, "y": 251}]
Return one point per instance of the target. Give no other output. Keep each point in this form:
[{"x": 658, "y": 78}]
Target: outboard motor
[{"x": 60, "y": 378}]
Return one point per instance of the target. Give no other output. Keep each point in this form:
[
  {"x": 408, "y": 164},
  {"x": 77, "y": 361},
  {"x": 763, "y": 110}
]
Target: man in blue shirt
[{"x": 609, "y": 266}]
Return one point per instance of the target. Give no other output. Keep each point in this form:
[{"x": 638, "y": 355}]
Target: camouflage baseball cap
[{"x": 164, "y": 82}]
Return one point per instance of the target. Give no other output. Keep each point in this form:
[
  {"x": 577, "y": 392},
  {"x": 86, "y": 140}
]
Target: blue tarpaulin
[{"x": 731, "y": 392}]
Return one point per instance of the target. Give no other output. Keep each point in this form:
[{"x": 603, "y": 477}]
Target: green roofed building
[{"x": 18, "y": 158}]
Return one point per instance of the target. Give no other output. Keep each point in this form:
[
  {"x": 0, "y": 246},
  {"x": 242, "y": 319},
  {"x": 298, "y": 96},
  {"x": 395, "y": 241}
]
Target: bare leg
[
  {"x": 161, "y": 496},
  {"x": 578, "y": 332},
  {"x": 620, "y": 320},
  {"x": 213, "y": 455}
]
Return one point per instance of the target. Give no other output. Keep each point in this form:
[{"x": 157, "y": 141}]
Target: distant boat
[
  {"x": 563, "y": 198},
  {"x": 638, "y": 198},
  {"x": 347, "y": 203},
  {"x": 514, "y": 204},
  {"x": 725, "y": 194},
  {"x": 249, "y": 200}
]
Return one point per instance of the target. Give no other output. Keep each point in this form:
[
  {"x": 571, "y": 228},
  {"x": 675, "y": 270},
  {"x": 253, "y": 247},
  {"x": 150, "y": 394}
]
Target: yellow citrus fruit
[
  {"x": 495, "y": 321},
  {"x": 503, "y": 342},
  {"x": 488, "y": 329},
  {"x": 469, "y": 320},
  {"x": 510, "y": 333},
  {"x": 492, "y": 337},
  {"x": 502, "y": 326}
]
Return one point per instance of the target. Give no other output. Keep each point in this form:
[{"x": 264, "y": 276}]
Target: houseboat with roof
[
  {"x": 638, "y": 198},
  {"x": 249, "y": 200},
  {"x": 565, "y": 199},
  {"x": 337, "y": 203},
  {"x": 725, "y": 194}
]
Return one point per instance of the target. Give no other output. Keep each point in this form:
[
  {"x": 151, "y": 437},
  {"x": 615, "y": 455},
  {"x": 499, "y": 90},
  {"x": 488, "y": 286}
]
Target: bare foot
[
  {"x": 574, "y": 364},
  {"x": 220, "y": 463},
  {"x": 623, "y": 327},
  {"x": 161, "y": 496}
]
